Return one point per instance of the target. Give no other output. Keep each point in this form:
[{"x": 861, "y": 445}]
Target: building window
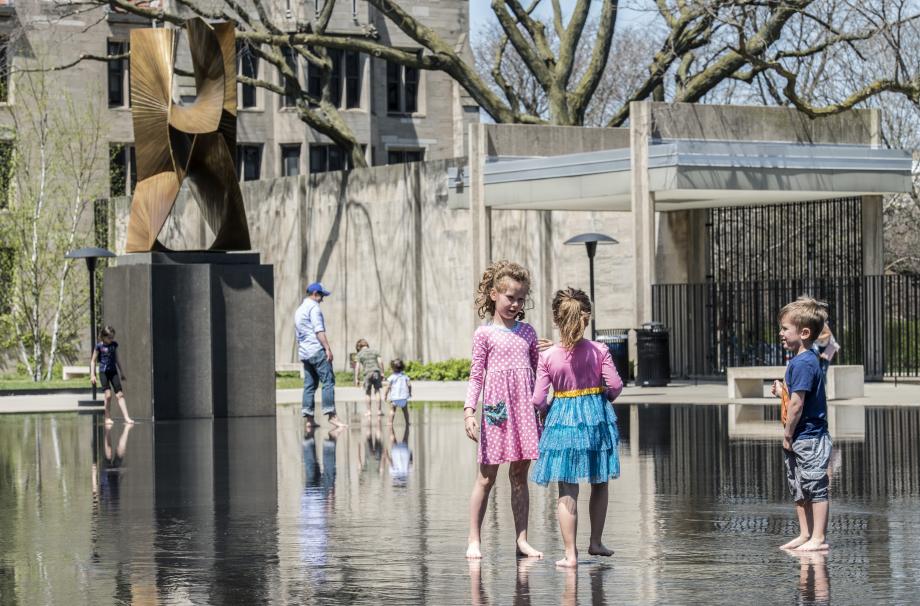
[
  {"x": 249, "y": 162},
  {"x": 344, "y": 79},
  {"x": 6, "y": 172},
  {"x": 325, "y": 158},
  {"x": 249, "y": 67},
  {"x": 4, "y": 70},
  {"x": 401, "y": 156},
  {"x": 122, "y": 170},
  {"x": 119, "y": 80},
  {"x": 290, "y": 160},
  {"x": 288, "y": 100},
  {"x": 402, "y": 89}
]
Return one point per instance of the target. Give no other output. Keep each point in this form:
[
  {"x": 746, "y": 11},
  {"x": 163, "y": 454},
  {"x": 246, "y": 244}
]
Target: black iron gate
[{"x": 764, "y": 257}]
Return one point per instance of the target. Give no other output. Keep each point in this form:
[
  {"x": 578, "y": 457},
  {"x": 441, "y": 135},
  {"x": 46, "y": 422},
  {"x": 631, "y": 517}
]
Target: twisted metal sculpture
[{"x": 195, "y": 142}]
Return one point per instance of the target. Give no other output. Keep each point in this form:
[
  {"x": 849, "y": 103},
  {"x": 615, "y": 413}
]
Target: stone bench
[
  {"x": 843, "y": 382},
  {"x": 74, "y": 372}
]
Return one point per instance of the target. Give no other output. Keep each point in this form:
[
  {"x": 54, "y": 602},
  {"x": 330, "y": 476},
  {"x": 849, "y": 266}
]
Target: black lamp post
[
  {"x": 91, "y": 254},
  {"x": 591, "y": 241}
]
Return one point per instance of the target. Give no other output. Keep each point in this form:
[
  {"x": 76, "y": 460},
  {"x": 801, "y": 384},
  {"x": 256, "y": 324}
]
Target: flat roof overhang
[{"x": 687, "y": 174}]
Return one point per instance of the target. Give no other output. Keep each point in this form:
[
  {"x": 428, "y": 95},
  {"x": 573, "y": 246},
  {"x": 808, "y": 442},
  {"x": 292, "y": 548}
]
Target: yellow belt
[{"x": 587, "y": 391}]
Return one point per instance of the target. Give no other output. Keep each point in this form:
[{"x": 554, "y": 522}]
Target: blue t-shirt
[
  {"x": 105, "y": 354},
  {"x": 803, "y": 373}
]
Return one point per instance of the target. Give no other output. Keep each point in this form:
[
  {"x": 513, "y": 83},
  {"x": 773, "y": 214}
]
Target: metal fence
[{"x": 714, "y": 326}]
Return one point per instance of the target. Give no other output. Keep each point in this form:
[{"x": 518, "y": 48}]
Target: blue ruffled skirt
[{"x": 579, "y": 442}]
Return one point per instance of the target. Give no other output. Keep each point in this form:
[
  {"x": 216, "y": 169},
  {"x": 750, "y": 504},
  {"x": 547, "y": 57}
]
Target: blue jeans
[{"x": 316, "y": 370}]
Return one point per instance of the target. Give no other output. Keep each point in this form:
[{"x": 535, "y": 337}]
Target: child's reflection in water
[
  {"x": 522, "y": 590},
  {"x": 107, "y": 477},
  {"x": 400, "y": 457},
  {"x": 814, "y": 582}
]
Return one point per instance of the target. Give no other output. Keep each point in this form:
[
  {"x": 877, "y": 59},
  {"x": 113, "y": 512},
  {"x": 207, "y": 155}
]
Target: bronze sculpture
[{"x": 195, "y": 142}]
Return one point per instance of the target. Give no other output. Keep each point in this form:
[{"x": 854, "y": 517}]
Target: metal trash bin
[
  {"x": 617, "y": 341},
  {"x": 654, "y": 355}
]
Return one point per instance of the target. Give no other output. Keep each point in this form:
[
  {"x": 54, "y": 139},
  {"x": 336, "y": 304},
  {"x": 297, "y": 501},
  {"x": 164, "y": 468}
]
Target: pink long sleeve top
[{"x": 588, "y": 364}]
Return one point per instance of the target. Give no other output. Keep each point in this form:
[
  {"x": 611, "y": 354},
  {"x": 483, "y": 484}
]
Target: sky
[{"x": 481, "y": 13}]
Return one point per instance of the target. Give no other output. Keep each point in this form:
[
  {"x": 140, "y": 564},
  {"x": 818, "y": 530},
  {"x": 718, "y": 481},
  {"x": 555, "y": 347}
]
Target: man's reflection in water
[
  {"x": 814, "y": 582},
  {"x": 318, "y": 496},
  {"x": 399, "y": 457}
]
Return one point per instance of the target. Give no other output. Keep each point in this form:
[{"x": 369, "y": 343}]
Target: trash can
[
  {"x": 654, "y": 355},
  {"x": 617, "y": 341}
]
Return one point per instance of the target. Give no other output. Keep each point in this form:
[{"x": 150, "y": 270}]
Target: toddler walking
[
  {"x": 502, "y": 370},
  {"x": 398, "y": 390},
  {"x": 806, "y": 441},
  {"x": 580, "y": 439}
]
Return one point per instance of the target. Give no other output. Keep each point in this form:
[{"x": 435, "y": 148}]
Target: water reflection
[{"x": 261, "y": 511}]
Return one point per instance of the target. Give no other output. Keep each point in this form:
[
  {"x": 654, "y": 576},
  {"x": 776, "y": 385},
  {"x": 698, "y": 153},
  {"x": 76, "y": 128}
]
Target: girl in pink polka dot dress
[{"x": 505, "y": 356}]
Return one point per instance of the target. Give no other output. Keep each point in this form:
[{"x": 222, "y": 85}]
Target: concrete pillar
[
  {"x": 643, "y": 210},
  {"x": 873, "y": 288},
  {"x": 873, "y": 236},
  {"x": 681, "y": 247},
  {"x": 480, "y": 214}
]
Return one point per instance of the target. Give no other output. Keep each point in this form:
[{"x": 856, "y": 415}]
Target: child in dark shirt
[
  {"x": 806, "y": 441},
  {"x": 106, "y": 354}
]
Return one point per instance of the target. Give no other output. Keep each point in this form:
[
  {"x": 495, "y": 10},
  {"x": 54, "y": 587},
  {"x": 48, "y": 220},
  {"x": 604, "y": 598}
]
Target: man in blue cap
[{"x": 316, "y": 355}]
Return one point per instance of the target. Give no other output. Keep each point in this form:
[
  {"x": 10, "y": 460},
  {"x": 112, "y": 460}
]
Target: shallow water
[{"x": 253, "y": 511}]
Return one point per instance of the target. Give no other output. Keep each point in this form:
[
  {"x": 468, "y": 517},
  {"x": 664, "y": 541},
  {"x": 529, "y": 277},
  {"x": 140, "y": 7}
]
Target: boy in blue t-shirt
[{"x": 806, "y": 441}]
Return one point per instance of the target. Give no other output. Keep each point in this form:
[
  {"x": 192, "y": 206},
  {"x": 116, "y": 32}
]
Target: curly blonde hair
[
  {"x": 495, "y": 277},
  {"x": 571, "y": 313}
]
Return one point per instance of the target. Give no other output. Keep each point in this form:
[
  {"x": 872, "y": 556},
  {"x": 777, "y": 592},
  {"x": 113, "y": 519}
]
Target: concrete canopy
[{"x": 685, "y": 174}]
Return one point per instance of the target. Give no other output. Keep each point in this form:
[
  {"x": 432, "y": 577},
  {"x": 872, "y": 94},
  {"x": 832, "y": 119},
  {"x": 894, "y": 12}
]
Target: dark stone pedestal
[{"x": 196, "y": 333}]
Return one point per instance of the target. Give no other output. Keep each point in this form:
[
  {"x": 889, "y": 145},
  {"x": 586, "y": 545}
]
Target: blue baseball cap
[{"x": 317, "y": 287}]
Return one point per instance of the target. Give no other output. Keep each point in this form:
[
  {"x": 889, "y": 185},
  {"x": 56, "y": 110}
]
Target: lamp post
[
  {"x": 91, "y": 254},
  {"x": 591, "y": 241}
]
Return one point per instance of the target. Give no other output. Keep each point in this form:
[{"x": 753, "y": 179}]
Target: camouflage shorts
[{"x": 806, "y": 468}]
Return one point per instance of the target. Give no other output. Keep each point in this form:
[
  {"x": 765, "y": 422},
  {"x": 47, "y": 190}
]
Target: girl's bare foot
[
  {"x": 525, "y": 549},
  {"x": 794, "y": 543},
  {"x": 129, "y": 421},
  {"x": 109, "y": 421},
  {"x": 600, "y": 550},
  {"x": 569, "y": 561},
  {"x": 472, "y": 551},
  {"x": 367, "y": 414},
  {"x": 334, "y": 420},
  {"x": 813, "y": 545}
]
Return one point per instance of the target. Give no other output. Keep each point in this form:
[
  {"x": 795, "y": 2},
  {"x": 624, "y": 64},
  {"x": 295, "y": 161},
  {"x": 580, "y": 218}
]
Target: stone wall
[{"x": 397, "y": 259}]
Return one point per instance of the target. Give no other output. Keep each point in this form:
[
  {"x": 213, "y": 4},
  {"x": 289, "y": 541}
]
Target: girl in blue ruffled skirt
[{"x": 580, "y": 437}]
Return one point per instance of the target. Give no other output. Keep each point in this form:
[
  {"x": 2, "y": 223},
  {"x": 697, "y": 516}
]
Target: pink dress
[{"x": 503, "y": 367}]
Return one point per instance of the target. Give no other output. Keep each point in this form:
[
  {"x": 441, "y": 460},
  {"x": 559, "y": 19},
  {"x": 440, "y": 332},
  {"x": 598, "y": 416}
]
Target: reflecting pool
[{"x": 257, "y": 511}]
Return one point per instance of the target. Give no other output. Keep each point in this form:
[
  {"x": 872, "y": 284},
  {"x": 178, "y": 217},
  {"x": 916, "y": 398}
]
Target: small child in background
[
  {"x": 806, "y": 442},
  {"x": 369, "y": 361},
  {"x": 106, "y": 353},
  {"x": 398, "y": 390},
  {"x": 826, "y": 347}
]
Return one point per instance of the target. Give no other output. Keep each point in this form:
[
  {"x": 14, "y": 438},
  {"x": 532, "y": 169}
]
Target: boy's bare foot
[
  {"x": 109, "y": 421},
  {"x": 568, "y": 561},
  {"x": 334, "y": 420},
  {"x": 472, "y": 551},
  {"x": 526, "y": 549},
  {"x": 129, "y": 421},
  {"x": 600, "y": 550},
  {"x": 367, "y": 414},
  {"x": 794, "y": 543},
  {"x": 813, "y": 545}
]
